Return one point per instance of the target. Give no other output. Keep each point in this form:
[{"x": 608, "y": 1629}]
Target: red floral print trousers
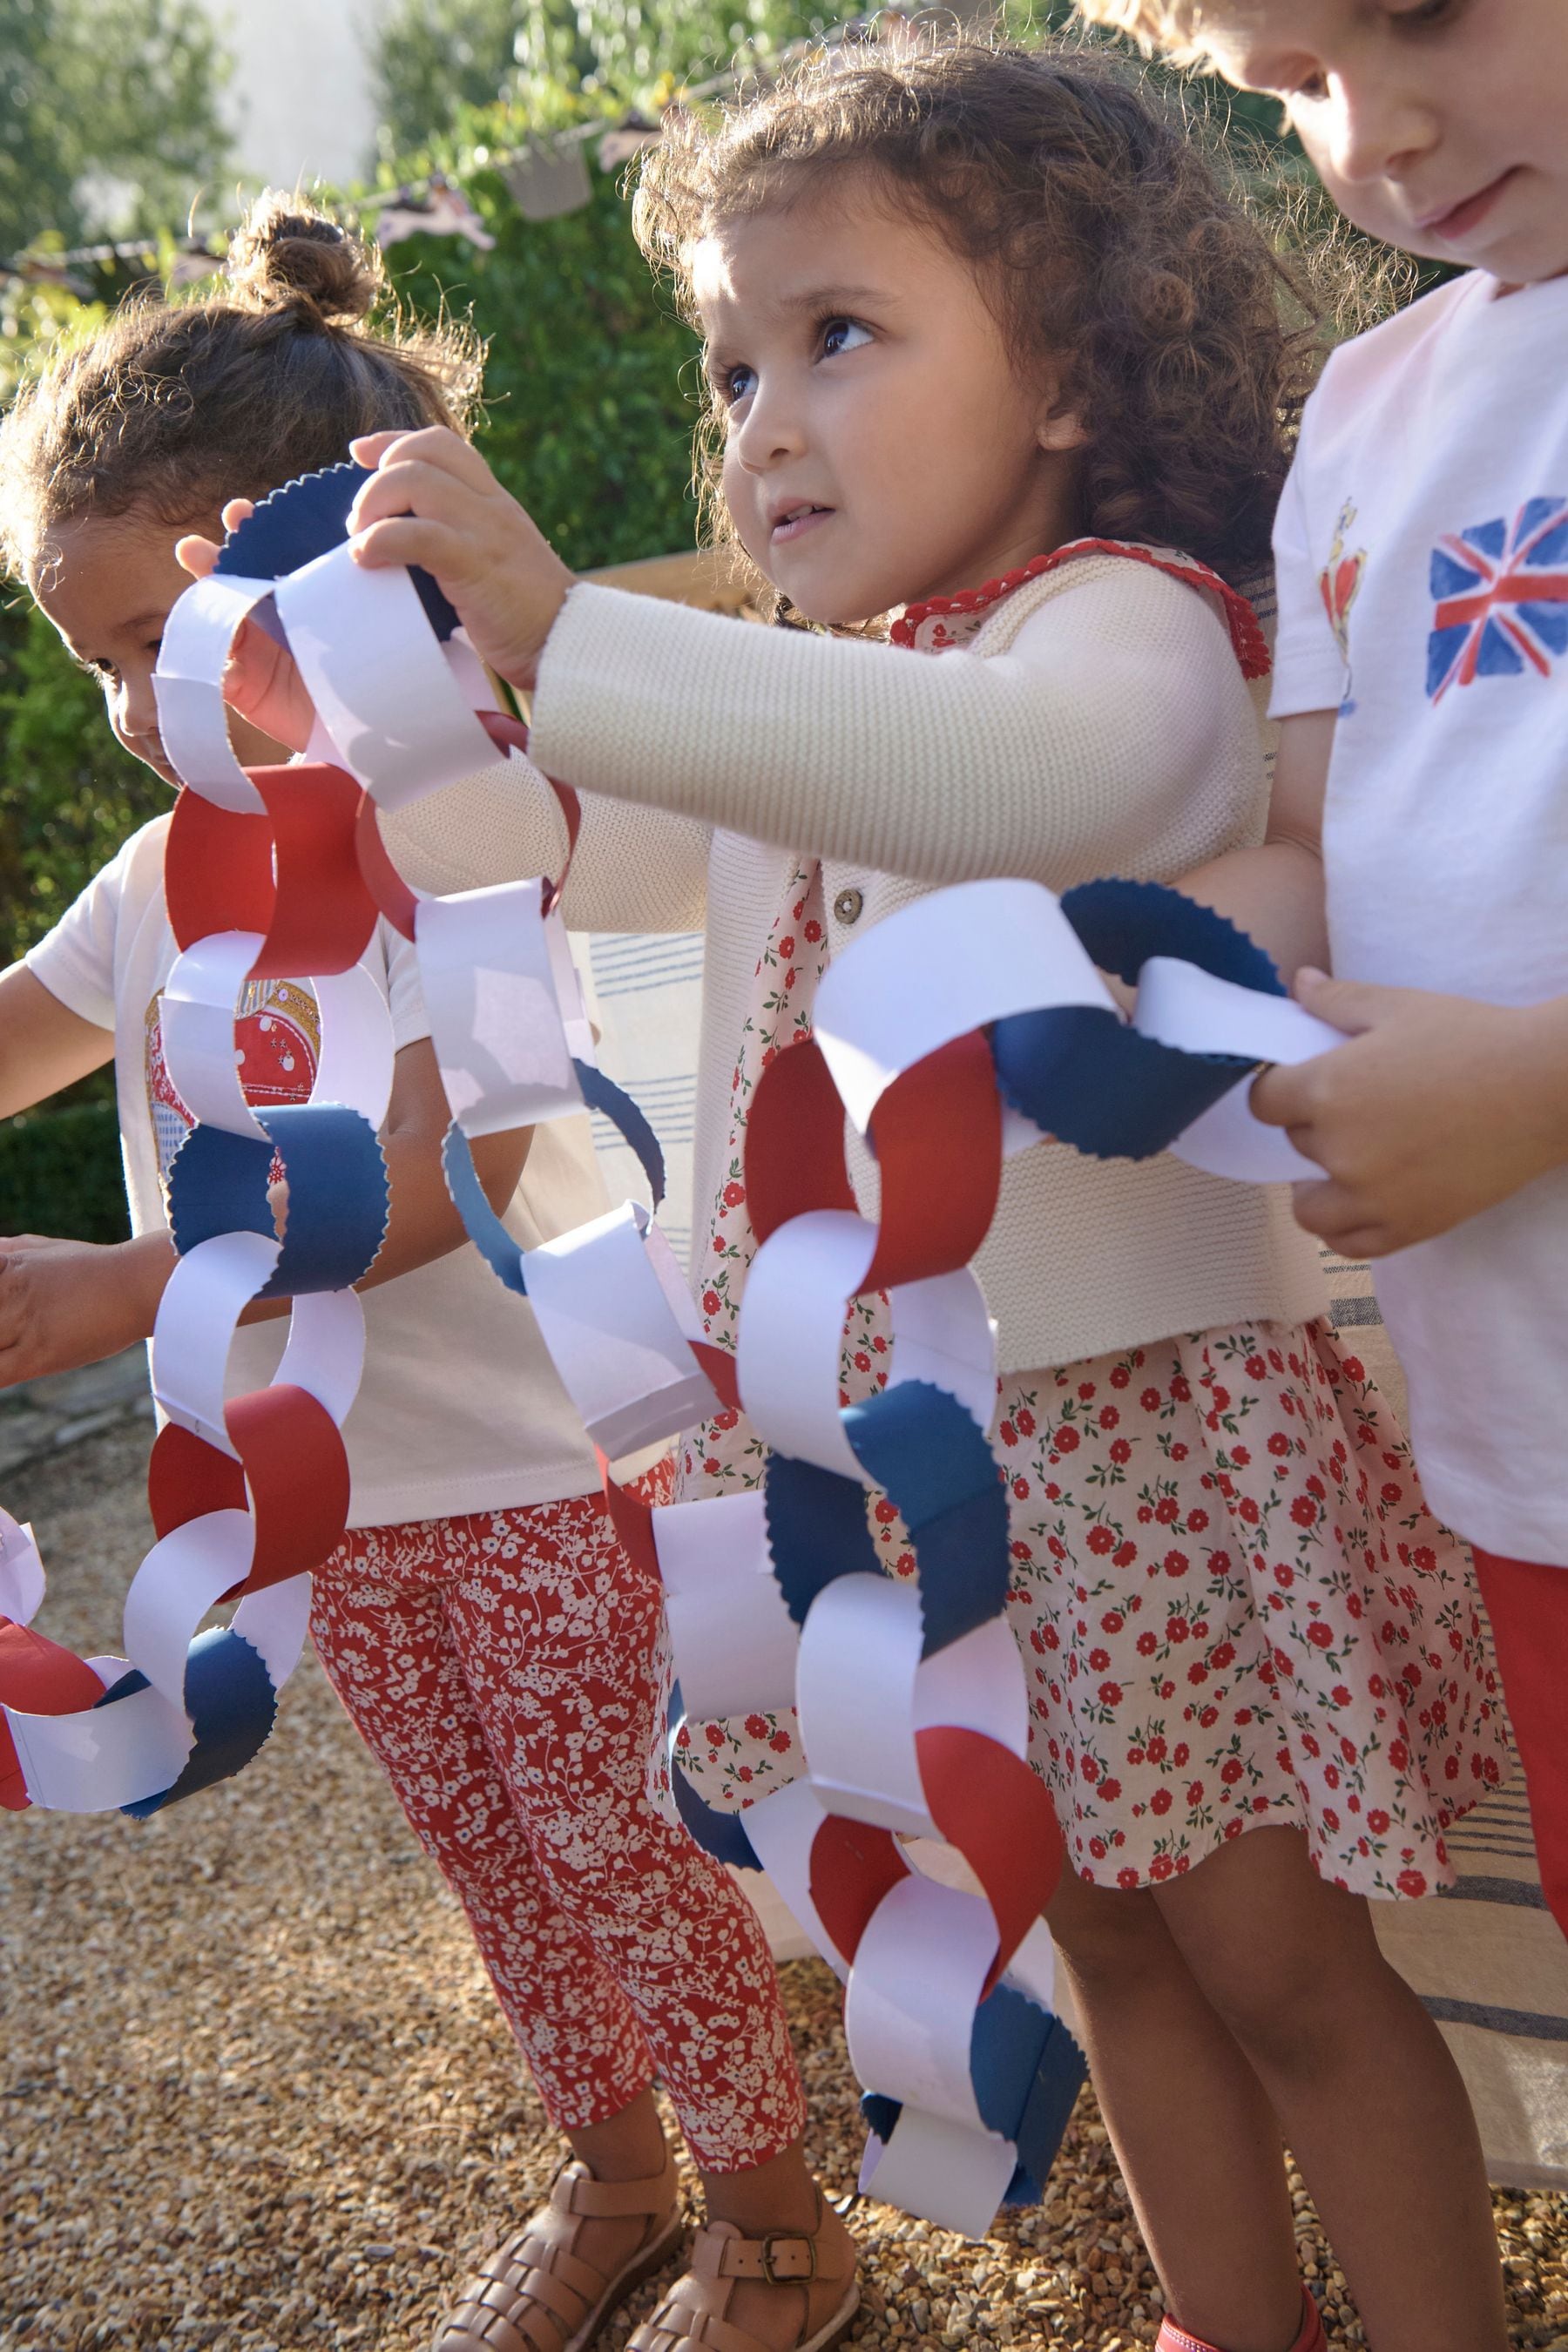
[{"x": 507, "y": 1669}]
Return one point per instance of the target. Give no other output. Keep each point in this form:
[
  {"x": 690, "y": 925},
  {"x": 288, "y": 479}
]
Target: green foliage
[
  {"x": 586, "y": 419},
  {"x": 108, "y": 115},
  {"x": 60, "y": 1173},
  {"x": 69, "y": 795},
  {"x": 433, "y": 59}
]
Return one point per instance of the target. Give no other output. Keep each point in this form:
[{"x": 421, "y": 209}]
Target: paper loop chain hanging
[{"x": 919, "y": 1849}]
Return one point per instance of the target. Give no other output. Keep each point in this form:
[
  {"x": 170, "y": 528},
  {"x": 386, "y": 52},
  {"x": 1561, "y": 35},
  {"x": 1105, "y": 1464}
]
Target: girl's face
[
  {"x": 882, "y": 444},
  {"x": 1438, "y": 124},
  {"x": 109, "y": 583}
]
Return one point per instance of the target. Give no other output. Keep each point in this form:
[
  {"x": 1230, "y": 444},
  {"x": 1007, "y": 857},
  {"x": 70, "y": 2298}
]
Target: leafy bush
[
  {"x": 586, "y": 420},
  {"x": 60, "y": 1173}
]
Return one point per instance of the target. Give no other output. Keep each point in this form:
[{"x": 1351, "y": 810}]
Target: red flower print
[
  {"x": 1127, "y": 1878},
  {"x": 712, "y": 1466},
  {"x": 1126, "y": 1553},
  {"x": 1007, "y": 1434},
  {"x": 1112, "y": 1622},
  {"x": 1321, "y": 1636},
  {"x": 781, "y": 1743},
  {"x": 1066, "y": 1439},
  {"x": 711, "y": 1302},
  {"x": 1279, "y": 1443},
  {"x": 1160, "y": 1803},
  {"x": 1176, "y": 1563},
  {"x": 1110, "y": 1693},
  {"x": 1412, "y": 1883},
  {"x": 813, "y": 930},
  {"x": 886, "y": 1512},
  {"x": 1156, "y": 1747},
  {"x": 1086, "y": 1391},
  {"x": 1021, "y": 1489},
  {"x": 1230, "y": 1772},
  {"x": 1109, "y": 1416},
  {"x": 1241, "y": 1457},
  {"x": 1026, "y": 1421},
  {"x": 1223, "y": 1654},
  {"x": 1119, "y": 1376},
  {"x": 1099, "y": 1540},
  {"x": 862, "y": 1360},
  {"x": 1182, "y": 1753},
  {"x": 786, "y": 946},
  {"x": 1352, "y": 1368},
  {"x": 1147, "y": 1646},
  {"x": 1109, "y": 1791},
  {"x": 757, "y": 1727},
  {"x": 1121, "y": 1451},
  {"x": 1161, "y": 1865},
  {"x": 1149, "y": 1400},
  {"x": 734, "y": 1194}
]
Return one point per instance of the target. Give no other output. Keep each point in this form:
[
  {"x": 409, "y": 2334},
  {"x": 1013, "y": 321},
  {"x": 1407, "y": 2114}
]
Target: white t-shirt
[
  {"x": 460, "y": 1408},
  {"x": 1422, "y": 567}
]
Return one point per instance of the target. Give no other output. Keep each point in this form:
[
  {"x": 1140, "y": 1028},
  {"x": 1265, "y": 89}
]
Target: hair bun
[{"x": 286, "y": 254}]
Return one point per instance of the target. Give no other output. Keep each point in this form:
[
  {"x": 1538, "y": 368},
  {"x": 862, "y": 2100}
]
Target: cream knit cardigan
[{"x": 1097, "y": 723}]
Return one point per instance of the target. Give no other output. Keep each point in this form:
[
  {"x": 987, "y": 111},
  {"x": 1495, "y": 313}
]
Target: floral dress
[{"x": 1234, "y": 1605}]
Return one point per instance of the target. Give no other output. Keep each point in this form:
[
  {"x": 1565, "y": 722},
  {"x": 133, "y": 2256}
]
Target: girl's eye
[
  {"x": 843, "y": 335},
  {"x": 1425, "y": 13},
  {"x": 736, "y": 384}
]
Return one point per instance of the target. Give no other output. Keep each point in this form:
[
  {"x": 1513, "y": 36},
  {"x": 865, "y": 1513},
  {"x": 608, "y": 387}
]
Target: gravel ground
[{"x": 254, "y": 2093}]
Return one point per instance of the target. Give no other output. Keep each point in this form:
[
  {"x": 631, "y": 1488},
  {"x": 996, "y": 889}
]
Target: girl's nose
[
  {"x": 1376, "y": 131},
  {"x": 133, "y": 713},
  {"x": 769, "y": 432}
]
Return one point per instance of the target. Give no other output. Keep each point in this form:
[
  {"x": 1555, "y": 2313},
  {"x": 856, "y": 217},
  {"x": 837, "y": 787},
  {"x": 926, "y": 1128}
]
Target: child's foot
[
  {"x": 551, "y": 2286},
  {"x": 791, "y": 2291}
]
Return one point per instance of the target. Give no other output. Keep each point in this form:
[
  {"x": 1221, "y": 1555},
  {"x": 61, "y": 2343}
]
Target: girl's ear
[{"x": 1058, "y": 426}]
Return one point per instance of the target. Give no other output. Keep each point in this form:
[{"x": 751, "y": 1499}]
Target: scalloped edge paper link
[{"x": 919, "y": 1848}]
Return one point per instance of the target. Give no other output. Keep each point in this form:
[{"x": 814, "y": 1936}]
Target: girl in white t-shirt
[
  {"x": 494, "y": 1645},
  {"x": 983, "y": 342}
]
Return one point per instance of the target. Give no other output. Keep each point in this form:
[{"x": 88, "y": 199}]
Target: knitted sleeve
[
  {"x": 636, "y": 869},
  {"x": 1114, "y": 731}
]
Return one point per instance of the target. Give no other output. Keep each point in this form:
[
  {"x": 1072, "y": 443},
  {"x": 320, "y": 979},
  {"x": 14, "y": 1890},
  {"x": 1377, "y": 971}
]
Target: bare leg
[
  {"x": 628, "y": 2147},
  {"x": 1370, "y": 2101},
  {"x": 1196, "y": 2139}
]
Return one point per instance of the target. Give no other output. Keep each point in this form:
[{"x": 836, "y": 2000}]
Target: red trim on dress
[{"x": 1246, "y": 631}]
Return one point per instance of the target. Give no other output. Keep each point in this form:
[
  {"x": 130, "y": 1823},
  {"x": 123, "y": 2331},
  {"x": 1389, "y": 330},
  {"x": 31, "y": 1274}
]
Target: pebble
[{"x": 255, "y": 2090}]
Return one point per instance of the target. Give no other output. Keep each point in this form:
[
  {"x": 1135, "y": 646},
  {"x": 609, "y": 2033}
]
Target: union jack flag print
[{"x": 1502, "y": 595}]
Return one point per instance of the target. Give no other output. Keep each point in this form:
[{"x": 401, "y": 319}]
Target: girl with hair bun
[{"x": 494, "y": 1645}]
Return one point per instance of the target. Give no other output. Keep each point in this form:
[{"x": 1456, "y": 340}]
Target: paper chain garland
[{"x": 920, "y": 1848}]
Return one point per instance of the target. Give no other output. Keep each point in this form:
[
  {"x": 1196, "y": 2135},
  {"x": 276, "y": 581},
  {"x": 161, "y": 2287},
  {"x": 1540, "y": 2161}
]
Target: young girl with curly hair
[{"x": 997, "y": 376}]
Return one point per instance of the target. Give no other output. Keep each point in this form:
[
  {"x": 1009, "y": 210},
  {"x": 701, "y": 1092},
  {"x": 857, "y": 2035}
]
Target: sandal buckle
[{"x": 788, "y": 2238}]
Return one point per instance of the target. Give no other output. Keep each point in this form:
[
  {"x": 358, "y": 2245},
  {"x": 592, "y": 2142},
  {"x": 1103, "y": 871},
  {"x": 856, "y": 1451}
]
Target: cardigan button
[{"x": 847, "y": 905}]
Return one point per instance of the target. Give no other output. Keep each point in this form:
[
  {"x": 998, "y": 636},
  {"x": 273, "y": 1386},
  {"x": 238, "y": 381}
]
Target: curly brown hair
[
  {"x": 1168, "y": 25},
  {"x": 171, "y": 408},
  {"x": 1115, "y": 253}
]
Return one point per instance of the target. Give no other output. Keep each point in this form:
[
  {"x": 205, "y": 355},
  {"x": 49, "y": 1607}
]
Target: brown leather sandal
[
  {"x": 694, "y": 2314},
  {"x": 536, "y": 2293}
]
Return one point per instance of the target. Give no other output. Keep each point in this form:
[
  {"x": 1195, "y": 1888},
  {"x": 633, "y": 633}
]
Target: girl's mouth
[
  {"x": 796, "y": 520},
  {"x": 1459, "y": 219}
]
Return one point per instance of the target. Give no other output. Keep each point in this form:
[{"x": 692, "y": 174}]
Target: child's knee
[{"x": 1111, "y": 1943}]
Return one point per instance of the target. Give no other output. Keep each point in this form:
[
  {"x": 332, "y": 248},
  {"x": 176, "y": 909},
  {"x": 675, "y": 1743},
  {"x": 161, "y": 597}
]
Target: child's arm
[
  {"x": 1094, "y": 744},
  {"x": 65, "y": 1303},
  {"x": 1439, "y": 1106},
  {"x": 1275, "y": 892},
  {"x": 44, "y": 1046}
]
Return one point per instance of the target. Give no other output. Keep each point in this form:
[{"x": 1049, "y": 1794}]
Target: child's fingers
[
  {"x": 237, "y": 511},
  {"x": 411, "y": 539},
  {"x": 195, "y": 554},
  {"x": 1339, "y": 1217},
  {"x": 1279, "y": 1095},
  {"x": 433, "y": 445},
  {"x": 412, "y": 486}
]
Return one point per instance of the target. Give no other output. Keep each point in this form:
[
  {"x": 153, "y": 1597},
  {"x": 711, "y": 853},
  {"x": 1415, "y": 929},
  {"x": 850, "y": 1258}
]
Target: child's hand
[
  {"x": 63, "y": 1303},
  {"x": 260, "y": 682},
  {"x": 433, "y": 501},
  {"x": 1437, "y": 1108}
]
